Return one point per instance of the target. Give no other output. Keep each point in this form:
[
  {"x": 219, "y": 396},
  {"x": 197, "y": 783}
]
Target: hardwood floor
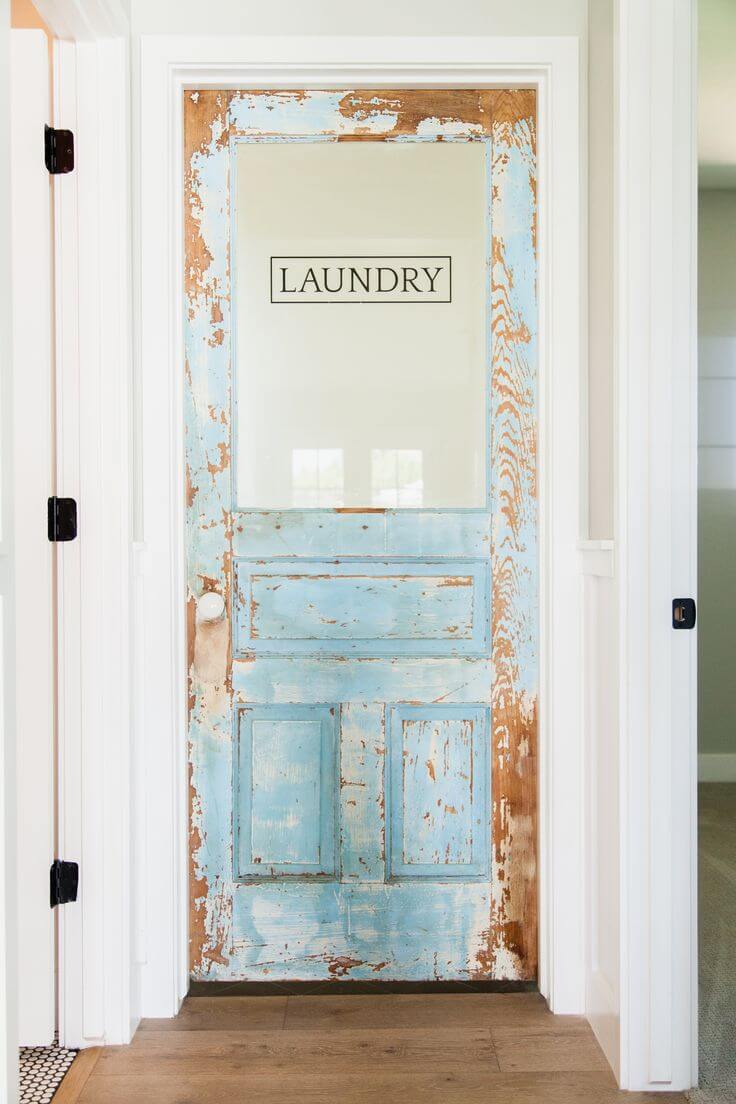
[
  {"x": 76, "y": 1076},
  {"x": 495, "y": 1048}
]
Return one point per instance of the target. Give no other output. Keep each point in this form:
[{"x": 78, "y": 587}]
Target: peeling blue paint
[
  {"x": 438, "y": 807},
  {"x": 311, "y": 854},
  {"x": 286, "y": 779},
  {"x": 362, "y": 607}
]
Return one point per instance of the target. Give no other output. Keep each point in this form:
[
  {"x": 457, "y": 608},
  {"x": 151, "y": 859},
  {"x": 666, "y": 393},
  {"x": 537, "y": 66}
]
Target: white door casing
[
  {"x": 656, "y": 522},
  {"x": 34, "y": 565},
  {"x": 168, "y": 65},
  {"x": 8, "y": 835}
]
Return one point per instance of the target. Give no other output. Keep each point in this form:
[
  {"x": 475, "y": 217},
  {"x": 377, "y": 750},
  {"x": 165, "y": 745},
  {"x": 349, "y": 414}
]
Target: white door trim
[
  {"x": 8, "y": 742},
  {"x": 84, "y": 20},
  {"x": 96, "y": 988},
  {"x": 34, "y": 562},
  {"x": 104, "y": 173},
  {"x": 656, "y": 404},
  {"x": 168, "y": 66}
]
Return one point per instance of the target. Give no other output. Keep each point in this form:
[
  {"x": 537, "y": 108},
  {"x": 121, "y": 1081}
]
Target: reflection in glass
[
  {"x": 396, "y": 477},
  {"x": 317, "y": 477},
  {"x": 360, "y": 404}
]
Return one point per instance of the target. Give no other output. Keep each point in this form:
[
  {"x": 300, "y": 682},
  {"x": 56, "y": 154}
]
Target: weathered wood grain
[
  {"x": 362, "y": 800},
  {"x": 362, "y": 606},
  {"x": 511, "y": 939},
  {"x": 286, "y": 803},
  {"x": 438, "y": 792},
  {"x": 371, "y": 927},
  {"x": 207, "y": 399}
]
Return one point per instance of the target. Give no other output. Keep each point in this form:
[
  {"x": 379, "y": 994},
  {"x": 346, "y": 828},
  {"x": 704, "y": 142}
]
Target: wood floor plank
[
  {"x": 224, "y": 1013},
  {"x": 77, "y": 1075},
  {"x": 415, "y": 1010},
  {"x": 566, "y": 1044},
  {"x": 261, "y": 1053},
  {"x": 382, "y": 1087},
  {"x": 469, "y": 1048}
]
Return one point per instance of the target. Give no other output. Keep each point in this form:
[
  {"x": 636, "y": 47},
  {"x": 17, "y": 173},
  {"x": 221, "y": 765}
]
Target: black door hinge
[
  {"x": 64, "y": 882},
  {"x": 58, "y": 150},
  {"x": 683, "y": 613},
  {"x": 62, "y": 519}
]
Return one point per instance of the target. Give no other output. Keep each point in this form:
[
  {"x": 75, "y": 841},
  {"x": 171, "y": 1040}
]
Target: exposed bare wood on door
[
  {"x": 247, "y": 698},
  {"x": 209, "y": 521},
  {"x": 514, "y": 927}
]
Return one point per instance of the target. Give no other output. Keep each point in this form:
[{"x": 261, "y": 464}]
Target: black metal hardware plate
[
  {"x": 58, "y": 150},
  {"x": 64, "y": 882},
  {"x": 62, "y": 519},
  {"x": 683, "y": 613}
]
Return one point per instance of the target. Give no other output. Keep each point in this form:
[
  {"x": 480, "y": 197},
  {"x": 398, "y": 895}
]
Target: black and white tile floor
[{"x": 42, "y": 1070}]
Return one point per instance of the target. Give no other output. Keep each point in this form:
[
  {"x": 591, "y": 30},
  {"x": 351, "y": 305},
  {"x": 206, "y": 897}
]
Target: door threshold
[{"x": 344, "y": 987}]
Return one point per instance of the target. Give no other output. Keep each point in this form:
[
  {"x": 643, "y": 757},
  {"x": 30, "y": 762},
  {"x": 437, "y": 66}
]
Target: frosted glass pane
[{"x": 361, "y": 329}]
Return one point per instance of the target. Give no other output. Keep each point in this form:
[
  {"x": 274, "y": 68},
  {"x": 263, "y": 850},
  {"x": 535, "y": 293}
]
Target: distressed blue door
[{"x": 363, "y": 669}]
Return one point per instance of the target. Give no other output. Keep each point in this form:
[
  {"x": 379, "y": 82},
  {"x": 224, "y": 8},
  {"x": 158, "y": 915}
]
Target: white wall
[
  {"x": 334, "y": 17},
  {"x": 717, "y": 483},
  {"x": 600, "y": 269}
]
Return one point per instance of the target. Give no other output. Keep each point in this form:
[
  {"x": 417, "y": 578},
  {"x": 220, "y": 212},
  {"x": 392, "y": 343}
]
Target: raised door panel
[
  {"x": 439, "y": 792},
  {"x": 285, "y": 779},
  {"x": 362, "y": 607}
]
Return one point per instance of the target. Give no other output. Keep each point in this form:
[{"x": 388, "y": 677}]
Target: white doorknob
[{"x": 210, "y": 606}]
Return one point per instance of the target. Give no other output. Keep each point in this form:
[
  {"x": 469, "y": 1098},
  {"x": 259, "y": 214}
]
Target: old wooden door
[{"x": 361, "y": 533}]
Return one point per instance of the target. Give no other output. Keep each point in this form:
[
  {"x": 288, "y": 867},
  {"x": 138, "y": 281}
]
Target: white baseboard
[{"x": 717, "y": 768}]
